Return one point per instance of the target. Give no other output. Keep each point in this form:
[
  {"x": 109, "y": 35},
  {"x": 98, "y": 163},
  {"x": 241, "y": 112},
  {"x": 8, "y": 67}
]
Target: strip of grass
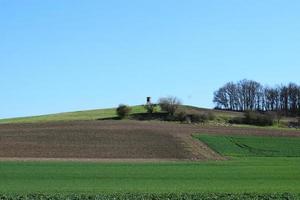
[
  {"x": 169, "y": 196},
  {"x": 273, "y": 127},
  {"x": 261, "y": 146},
  {"x": 258, "y": 175}
]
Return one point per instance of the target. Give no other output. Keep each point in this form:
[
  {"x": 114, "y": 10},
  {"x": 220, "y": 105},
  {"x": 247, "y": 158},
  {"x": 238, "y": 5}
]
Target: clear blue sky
[{"x": 65, "y": 55}]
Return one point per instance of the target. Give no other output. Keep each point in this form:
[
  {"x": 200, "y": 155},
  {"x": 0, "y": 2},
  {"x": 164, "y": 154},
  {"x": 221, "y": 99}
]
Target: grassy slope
[
  {"x": 260, "y": 175},
  {"x": 69, "y": 116},
  {"x": 242, "y": 146},
  {"x": 221, "y": 116},
  {"x": 109, "y": 113}
]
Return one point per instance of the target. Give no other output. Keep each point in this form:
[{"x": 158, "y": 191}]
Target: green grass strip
[
  {"x": 253, "y": 146},
  {"x": 171, "y": 196}
]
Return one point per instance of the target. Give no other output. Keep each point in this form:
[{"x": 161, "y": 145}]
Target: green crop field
[
  {"x": 253, "y": 145},
  {"x": 257, "y": 175}
]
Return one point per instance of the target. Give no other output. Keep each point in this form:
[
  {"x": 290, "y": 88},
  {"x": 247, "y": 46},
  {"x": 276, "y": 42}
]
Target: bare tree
[
  {"x": 279, "y": 115},
  {"x": 169, "y": 104},
  {"x": 284, "y": 99},
  {"x": 298, "y": 102},
  {"x": 271, "y": 98},
  {"x": 251, "y": 95},
  {"x": 220, "y": 98},
  {"x": 293, "y": 98},
  {"x": 245, "y": 95}
]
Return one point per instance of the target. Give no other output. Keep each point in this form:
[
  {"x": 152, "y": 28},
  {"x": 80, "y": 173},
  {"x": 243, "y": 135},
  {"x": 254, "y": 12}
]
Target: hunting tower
[{"x": 148, "y": 100}]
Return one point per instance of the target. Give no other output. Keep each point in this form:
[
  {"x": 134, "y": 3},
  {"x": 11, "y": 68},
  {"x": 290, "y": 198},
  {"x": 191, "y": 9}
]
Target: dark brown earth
[{"x": 120, "y": 140}]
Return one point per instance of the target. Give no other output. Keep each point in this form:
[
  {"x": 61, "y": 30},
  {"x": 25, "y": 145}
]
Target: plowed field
[{"x": 114, "y": 140}]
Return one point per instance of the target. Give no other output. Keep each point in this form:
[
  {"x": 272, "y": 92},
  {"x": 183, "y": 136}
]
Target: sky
[{"x": 67, "y": 55}]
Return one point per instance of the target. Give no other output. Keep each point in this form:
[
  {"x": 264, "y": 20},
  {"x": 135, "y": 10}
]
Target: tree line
[{"x": 249, "y": 95}]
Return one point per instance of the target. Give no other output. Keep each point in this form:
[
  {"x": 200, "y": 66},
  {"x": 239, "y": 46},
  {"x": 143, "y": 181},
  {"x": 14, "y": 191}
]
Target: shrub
[
  {"x": 295, "y": 124},
  {"x": 211, "y": 116},
  {"x": 150, "y": 108},
  {"x": 181, "y": 116},
  {"x": 123, "y": 111},
  {"x": 278, "y": 115},
  {"x": 236, "y": 120},
  {"x": 191, "y": 118},
  {"x": 255, "y": 118},
  {"x": 169, "y": 104},
  {"x": 199, "y": 118},
  {"x": 224, "y": 119}
]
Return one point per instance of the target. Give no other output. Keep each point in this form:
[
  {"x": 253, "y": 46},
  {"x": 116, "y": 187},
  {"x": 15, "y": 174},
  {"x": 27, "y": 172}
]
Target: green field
[
  {"x": 258, "y": 146},
  {"x": 257, "y": 175}
]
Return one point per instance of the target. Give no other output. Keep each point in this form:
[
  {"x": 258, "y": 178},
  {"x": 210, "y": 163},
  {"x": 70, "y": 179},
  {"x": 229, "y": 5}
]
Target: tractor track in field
[{"x": 116, "y": 141}]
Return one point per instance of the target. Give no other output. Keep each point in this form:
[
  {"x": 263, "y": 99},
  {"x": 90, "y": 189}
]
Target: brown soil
[{"x": 113, "y": 140}]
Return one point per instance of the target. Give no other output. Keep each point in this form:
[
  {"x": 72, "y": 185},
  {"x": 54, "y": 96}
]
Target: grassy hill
[
  {"x": 110, "y": 113},
  {"x": 71, "y": 116},
  {"x": 221, "y": 116}
]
